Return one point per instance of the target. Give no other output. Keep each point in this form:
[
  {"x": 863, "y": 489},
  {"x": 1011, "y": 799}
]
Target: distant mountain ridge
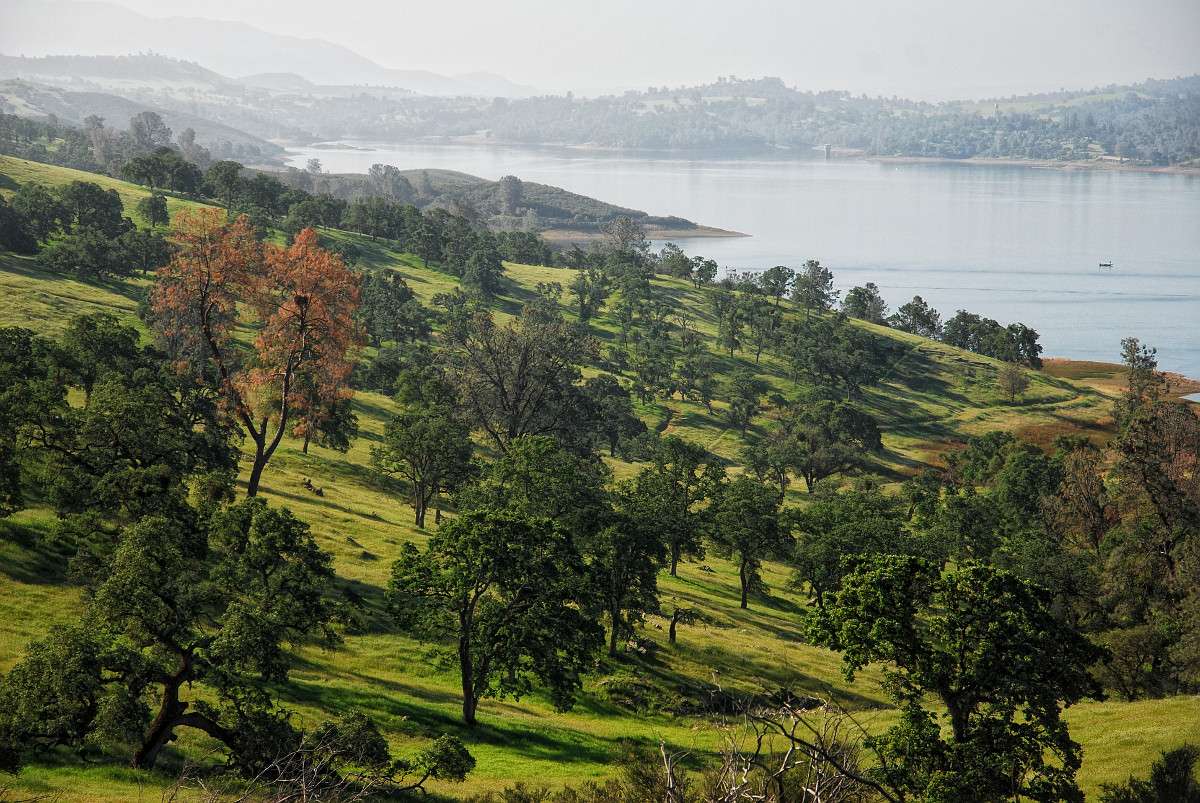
[{"x": 230, "y": 48}]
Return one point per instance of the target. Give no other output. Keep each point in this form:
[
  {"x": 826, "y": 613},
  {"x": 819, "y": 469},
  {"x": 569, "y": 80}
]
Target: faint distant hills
[
  {"x": 144, "y": 74},
  {"x": 229, "y": 48},
  {"x": 38, "y": 101}
]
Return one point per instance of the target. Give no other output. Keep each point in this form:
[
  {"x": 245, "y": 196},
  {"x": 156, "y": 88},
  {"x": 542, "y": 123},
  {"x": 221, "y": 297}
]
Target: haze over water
[{"x": 1008, "y": 242}]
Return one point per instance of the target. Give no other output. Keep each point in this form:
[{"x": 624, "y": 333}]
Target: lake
[{"x": 1009, "y": 242}]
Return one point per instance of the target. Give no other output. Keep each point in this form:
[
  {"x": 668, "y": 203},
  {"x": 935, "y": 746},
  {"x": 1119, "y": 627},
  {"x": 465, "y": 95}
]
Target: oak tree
[
  {"x": 672, "y": 492},
  {"x": 777, "y": 282},
  {"x": 623, "y": 560},
  {"x": 506, "y": 589},
  {"x": 813, "y": 288},
  {"x": 428, "y": 446},
  {"x": 918, "y": 318},
  {"x": 1011, "y": 381},
  {"x": 833, "y": 438},
  {"x": 747, "y": 528},
  {"x": 984, "y": 645},
  {"x": 301, "y": 302},
  {"x": 519, "y": 379},
  {"x": 178, "y": 602}
]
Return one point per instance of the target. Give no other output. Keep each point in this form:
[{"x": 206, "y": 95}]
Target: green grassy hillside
[{"x": 932, "y": 395}]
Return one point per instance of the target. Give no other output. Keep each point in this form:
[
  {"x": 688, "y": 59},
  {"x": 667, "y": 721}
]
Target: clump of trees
[
  {"x": 80, "y": 228},
  {"x": 191, "y": 604},
  {"x": 1013, "y": 343},
  {"x": 1109, "y": 532}
]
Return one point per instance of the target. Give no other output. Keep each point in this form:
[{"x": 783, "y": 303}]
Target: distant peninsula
[{"x": 509, "y": 204}]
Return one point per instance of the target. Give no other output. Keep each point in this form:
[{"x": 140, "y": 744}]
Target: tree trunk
[
  {"x": 958, "y": 718},
  {"x": 614, "y": 614},
  {"x": 468, "y": 679},
  {"x": 674, "y": 559},
  {"x": 172, "y": 714},
  {"x": 742, "y": 576},
  {"x": 264, "y": 450},
  {"x": 255, "y": 474},
  {"x": 162, "y": 729},
  {"x": 419, "y": 508}
]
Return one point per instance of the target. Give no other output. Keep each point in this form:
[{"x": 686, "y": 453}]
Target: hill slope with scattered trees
[{"x": 342, "y": 512}]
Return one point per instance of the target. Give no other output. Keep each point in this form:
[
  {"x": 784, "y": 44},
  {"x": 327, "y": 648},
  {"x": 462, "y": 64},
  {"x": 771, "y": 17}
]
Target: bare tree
[
  {"x": 802, "y": 750},
  {"x": 1011, "y": 381}
]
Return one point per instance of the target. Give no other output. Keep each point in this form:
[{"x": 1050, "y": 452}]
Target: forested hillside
[
  {"x": 338, "y": 501},
  {"x": 1155, "y": 123}
]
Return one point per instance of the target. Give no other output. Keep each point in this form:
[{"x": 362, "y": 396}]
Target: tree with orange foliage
[{"x": 300, "y": 301}]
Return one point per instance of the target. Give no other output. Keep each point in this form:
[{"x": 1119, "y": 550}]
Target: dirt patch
[
  {"x": 934, "y": 452},
  {"x": 1112, "y": 375},
  {"x": 1099, "y": 432},
  {"x": 1082, "y": 369}
]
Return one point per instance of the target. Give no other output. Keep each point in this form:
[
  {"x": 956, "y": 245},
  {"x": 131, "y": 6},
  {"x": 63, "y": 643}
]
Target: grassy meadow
[{"x": 932, "y": 397}]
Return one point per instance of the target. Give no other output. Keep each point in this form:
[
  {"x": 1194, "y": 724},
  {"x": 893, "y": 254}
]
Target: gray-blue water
[{"x": 1009, "y": 242}]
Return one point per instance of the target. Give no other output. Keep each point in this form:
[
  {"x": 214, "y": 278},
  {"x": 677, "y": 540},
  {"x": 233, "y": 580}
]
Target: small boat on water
[{"x": 1106, "y": 264}]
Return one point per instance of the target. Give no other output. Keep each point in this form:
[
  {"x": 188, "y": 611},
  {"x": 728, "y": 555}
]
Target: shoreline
[
  {"x": 1036, "y": 164},
  {"x": 836, "y": 153},
  {"x": 562, "y": 236}
]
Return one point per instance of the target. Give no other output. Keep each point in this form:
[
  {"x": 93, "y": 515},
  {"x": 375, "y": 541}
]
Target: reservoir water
[{"x": 1010, "y": 242}]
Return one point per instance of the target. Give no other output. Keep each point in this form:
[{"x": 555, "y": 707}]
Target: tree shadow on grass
[
  {"x": 717, "y": 696},
  {"x": 25, "y": 557},
  {"x": 30, "y": 269},
  {"x": 558, "y": 746},
  {"x": 515, "y": 300},
  {"x": 373, "y": 598},
  {"x": 421, "y": 712}
]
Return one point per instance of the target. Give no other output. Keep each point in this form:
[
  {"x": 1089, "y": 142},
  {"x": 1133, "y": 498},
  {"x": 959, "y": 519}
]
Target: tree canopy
[
  {"x": 505, "y": 588},
  {"x": 302, "y": 302},
  {"x": 985, "y": 645}
]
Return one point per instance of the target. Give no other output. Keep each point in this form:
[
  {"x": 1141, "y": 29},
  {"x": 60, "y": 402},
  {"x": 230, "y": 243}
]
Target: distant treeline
[
  {"x": 1157, "y": 122},
  {"x": 1153, "y": 123}
]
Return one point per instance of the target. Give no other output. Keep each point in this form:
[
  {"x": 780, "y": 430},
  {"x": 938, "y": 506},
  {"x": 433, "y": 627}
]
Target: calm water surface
[{"x": 1009, "y": 242}]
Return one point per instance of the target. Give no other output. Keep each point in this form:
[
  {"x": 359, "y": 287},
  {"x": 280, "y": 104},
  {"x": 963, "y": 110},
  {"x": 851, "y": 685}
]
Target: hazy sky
[{"x": 922, "y": 48}]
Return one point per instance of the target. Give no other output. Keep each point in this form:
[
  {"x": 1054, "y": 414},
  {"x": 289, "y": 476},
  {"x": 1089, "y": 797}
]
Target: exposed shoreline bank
[
  {"x": 562, "y": 236},
  {"x": 1037, "y": 164},
  {"x": 836, "y": 153},
  {"x": 1113, "y": 374}
]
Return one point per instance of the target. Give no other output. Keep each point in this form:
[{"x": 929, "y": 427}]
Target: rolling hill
[{"x": 931, "y": 395}]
